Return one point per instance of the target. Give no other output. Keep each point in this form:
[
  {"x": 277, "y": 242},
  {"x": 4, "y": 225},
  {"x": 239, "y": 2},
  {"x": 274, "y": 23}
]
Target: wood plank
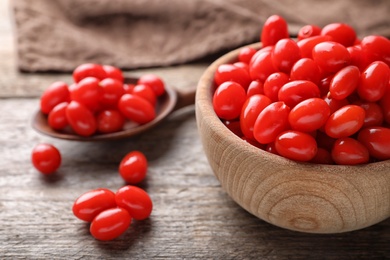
[{"x": 192, "y": 217}]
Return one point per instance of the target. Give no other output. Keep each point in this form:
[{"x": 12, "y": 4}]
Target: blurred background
[{"x": 57, "y": 35}]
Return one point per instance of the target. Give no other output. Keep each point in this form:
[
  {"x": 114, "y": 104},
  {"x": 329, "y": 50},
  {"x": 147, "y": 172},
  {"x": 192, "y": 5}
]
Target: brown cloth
[{"x": 61, "y": 34}]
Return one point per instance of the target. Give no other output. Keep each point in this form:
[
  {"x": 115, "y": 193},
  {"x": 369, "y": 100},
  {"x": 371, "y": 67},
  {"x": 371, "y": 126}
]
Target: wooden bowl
[{"x": 304, "y": 197}]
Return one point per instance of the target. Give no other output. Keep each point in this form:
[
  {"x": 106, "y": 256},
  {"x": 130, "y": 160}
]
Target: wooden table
[{"x": 192, "y": 217}]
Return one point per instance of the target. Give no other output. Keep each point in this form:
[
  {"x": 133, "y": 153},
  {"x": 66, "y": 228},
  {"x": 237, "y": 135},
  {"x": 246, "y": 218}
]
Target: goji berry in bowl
[{"x": 298, "y": 195}]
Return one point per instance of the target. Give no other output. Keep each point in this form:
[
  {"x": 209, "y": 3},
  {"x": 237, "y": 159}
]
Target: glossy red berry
[
  {"x": 307, "y": 45},
  {"x": 230, "y": 72},
  {"x": 146, "y": 92},
  {"x": 234, "y": 126},
  {"x": 228, "y": 100},
  {"x": 111, "y": 91},
  {"x": 271, "y": 121},
  {"x": 133, "y": 167},
  {"x": 113, "y": 73},
  {"x": 306, "y": 69},
  {"x": 274, "y": 83},
  {"x": 335, "y": 104},
  {"x": 274, "y": 29},
  {"x": 81, "y": 119},
  {"x": 373, "y": 113},
  {"x": 296, "y": 91},
  {"x": 128, "y": 88},
  {"x": 345, "y": 122},
  {"x": 376, "y": 48},
  {"x": 246, "y": 54},
  {"x": 261, "y": 66},
  {"x": 344, "y": 82},
  {"x": 331, "y": 56},
  {"x": 377, "y": 141},
  {"x": 322, "y": 156},
  {"x": 57, "y": 116},
  {"x": 56, "y": 93},
  {"x": 308, "y": 31},
  {"x": 374, "y": 81},
  {"x": 87, "y": 206},
  {"x": 110, "y": 224},
  {"x": 296, "y": 145},
  {"x": 341, "y": 33},
  {"x": 309, "y": 115},
  {"x": 136, "y": 108},
  {"x": 284, "y": 55},
  {"x": 110, "y": 121},
  {"x": 255, "y": 87},
  {"x": 385, "y": 105},
  {"x": 154, "y": 81},
  {"x": 88, "y": 70},
  {"x": 358, "y": 58},
  {"x": 349, "y": 151},
  {"x": 46, "y": 158},
  {"x": 250, "y": 111},
  {"x": 87, "y": 92},
  {"x": 135, "y": 200}
]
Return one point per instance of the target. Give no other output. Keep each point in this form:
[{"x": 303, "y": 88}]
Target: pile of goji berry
[
  {"x": 323, "y": 97},
  {"x": 98, "y": 102}
]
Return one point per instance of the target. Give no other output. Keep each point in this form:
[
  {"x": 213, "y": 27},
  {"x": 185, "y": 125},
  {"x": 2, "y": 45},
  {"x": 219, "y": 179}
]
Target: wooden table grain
[{"x": 193, "y": 218}]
